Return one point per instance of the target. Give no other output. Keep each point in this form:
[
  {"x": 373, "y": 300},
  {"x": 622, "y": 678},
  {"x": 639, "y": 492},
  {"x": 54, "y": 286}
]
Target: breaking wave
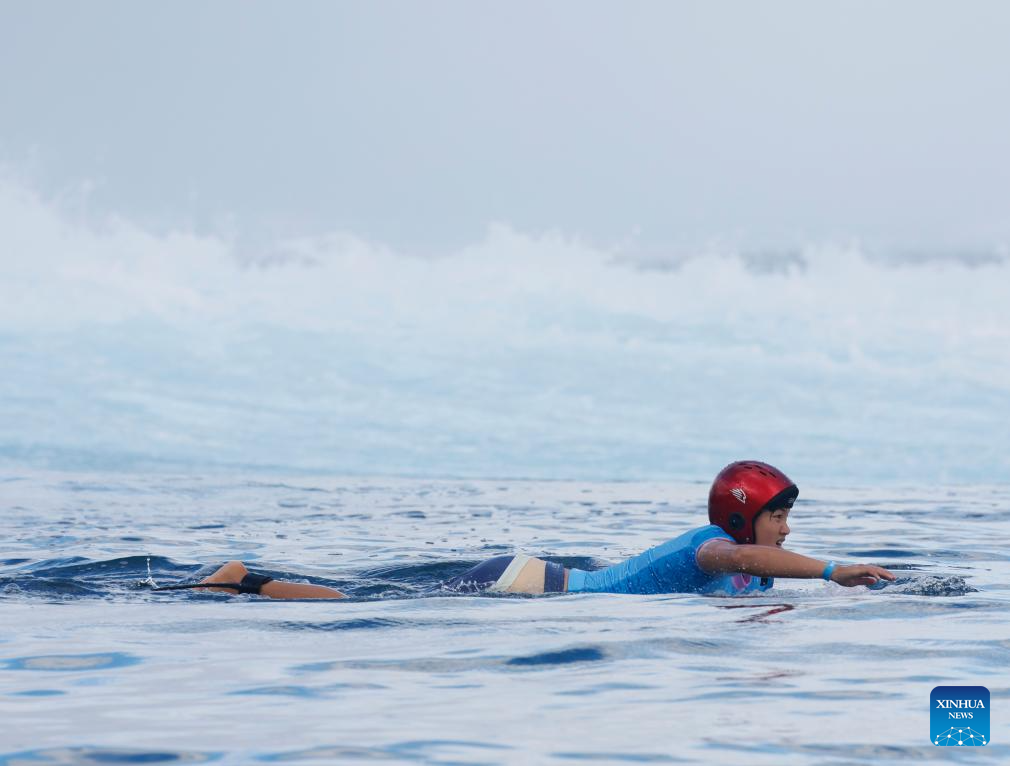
[{"x": 519, "y": 355}]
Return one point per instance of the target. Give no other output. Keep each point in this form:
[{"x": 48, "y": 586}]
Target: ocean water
[{"x": 95, "y": 667}]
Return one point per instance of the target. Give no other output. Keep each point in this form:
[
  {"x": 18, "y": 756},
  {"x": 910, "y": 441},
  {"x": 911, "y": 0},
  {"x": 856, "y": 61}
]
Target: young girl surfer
[{"x": 738, "y": 551}]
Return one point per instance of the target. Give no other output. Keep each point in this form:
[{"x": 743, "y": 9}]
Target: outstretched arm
[
  {"x": 720, "y": 556},
  {"x": 234, "y": 571}
]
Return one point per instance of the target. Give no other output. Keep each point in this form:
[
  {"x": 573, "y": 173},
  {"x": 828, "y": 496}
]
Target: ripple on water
[
  {"x": 64, "y": 663},
  {"x": 564, "y": 657},
  {"x": 870, "y": 753},
  {"x": 307, "y": 692},
  {"x": 620, "y": 757},
  {"x": 79, "y": 756},
  {"x": 426, "y": 751},
  {"x": 883, "y": 553},
  {"x": 603, "y": 688},
  {"x": 363, "y": 623}
]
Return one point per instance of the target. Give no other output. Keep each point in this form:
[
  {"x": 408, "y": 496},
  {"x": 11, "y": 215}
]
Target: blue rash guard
[{"x": 668, "y": 568}]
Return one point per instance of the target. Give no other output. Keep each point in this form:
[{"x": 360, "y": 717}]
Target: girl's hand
[{"x": 860, "y": 574}]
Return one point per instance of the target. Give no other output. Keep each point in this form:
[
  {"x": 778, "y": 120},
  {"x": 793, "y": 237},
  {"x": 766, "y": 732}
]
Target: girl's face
[{"x": 771, "y": 527}]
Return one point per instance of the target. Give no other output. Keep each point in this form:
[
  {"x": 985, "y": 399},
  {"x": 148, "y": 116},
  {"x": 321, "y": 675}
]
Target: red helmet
[{"x": 742, "y": 490}]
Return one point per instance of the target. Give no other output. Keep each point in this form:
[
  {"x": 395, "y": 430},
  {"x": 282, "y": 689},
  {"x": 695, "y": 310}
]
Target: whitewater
[{"x": 521, "y": 355}]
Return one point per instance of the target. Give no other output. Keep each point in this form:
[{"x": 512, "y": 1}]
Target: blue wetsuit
[{"x": 668, "y": 568}]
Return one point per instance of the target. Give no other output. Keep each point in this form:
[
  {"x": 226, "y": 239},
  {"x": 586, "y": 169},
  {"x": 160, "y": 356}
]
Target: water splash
[
  {"x": 150, "y": 577},
  {"x": 927, "y": 585}
]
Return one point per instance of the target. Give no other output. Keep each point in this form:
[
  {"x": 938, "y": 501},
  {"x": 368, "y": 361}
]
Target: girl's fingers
[{"x": 878, "y": 572}]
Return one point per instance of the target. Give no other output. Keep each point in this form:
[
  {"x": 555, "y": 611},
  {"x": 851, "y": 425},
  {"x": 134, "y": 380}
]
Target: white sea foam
[{"x": 519, "y": 354}]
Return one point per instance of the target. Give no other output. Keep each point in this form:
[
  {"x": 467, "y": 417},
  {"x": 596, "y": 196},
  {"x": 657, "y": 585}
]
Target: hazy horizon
[{"x": 651, "y": 128}]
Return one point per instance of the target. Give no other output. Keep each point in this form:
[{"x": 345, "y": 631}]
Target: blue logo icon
[{"x": 959, "y": 716}]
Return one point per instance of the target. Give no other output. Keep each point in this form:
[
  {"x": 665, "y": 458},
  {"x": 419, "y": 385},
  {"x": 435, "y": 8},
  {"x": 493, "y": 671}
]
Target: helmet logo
[{"x": 739, "y": 494}]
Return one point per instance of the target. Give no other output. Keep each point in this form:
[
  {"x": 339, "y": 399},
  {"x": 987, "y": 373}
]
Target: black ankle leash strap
[{"x": 251, "y": 583}]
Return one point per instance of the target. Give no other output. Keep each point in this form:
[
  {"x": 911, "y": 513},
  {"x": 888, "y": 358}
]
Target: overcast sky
[{"x": 650, "y": 126}]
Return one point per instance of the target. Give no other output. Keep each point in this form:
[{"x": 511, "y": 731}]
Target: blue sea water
[{"x": 96, "y": 667}]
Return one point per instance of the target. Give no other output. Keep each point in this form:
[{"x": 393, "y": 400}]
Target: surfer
[{"x": 738, "y": 551}]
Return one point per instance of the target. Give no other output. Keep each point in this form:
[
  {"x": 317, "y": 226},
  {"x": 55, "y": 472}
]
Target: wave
[
  {"x": 60, "y": 271},
  {"x": 519, "y": 355}
]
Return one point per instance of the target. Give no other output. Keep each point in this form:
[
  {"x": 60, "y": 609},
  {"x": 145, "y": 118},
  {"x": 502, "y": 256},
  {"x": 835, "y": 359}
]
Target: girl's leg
[
  {"x": 511, "y": 574},
  {"x": 530, "y": 579},
  {"x": 234, "y": 571},
  {"x": 539, "y": 576}
]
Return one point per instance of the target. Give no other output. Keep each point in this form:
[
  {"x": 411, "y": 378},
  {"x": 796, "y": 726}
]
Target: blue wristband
[{"x": 826, "y": 574}]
